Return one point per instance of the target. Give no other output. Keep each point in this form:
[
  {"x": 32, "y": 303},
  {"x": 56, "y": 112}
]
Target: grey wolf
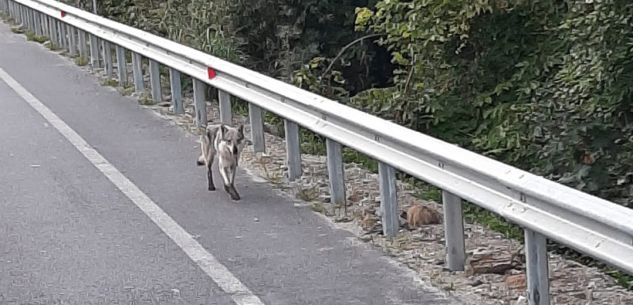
[{"x": 227, "y": 143}]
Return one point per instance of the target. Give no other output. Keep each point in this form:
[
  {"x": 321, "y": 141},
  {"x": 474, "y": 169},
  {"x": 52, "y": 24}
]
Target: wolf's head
[{"x": 234, "y": 138}]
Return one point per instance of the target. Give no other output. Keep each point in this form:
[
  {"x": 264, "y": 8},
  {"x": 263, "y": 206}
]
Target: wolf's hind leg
[{"x": 209, "y": 162}]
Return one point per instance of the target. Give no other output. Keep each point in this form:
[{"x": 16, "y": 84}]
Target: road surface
[{"x": 101, "y": 203}]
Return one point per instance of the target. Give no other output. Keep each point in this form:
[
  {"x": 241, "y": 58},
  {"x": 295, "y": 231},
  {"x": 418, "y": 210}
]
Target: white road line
[{"x": 205, "y": 260}]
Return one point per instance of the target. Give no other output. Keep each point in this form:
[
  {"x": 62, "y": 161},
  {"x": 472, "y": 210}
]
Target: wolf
[{"x": 227, "y": 143}]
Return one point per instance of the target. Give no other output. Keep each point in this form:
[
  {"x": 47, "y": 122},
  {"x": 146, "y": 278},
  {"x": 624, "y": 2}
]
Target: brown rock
[
  {"x": 368, "y": 219},
  {"x": 493, "y": 261},
  {"x": 419, "y": 215},
  {"x": 516, "y": 281}
]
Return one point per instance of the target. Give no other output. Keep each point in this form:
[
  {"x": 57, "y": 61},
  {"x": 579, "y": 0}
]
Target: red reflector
[
  {"x": 63, "y": 14},
  {"x": 211, "y": 73}
]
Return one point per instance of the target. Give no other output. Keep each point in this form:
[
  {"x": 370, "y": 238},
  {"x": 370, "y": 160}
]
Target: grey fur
[{"x": 227, "y": 143}]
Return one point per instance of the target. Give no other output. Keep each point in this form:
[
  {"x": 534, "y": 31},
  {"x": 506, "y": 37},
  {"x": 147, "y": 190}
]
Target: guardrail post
[
  {"x": 537, "y": 268},
  {"x": 27, "y": 14},
  {"x": 53, "y": 33},
  {"x": 94, "y": 52},
  {"x": 38, "y": 23},
  {"x": 257, "y": 128},
  {"x": 25, "y": 17},
  {"x": 32, "y": 18},
  {"x": 101, "y": 47},
  {"x": 199, "y": 89},
  {"x": 32, "y": 21},
  {"x": 154, "y": 80},
  {"x": 388, "y": 200},
  {"x": 335, "y": 171},
  {"x": 121, "y": 66},
  {"x": 137, "y": 71},
  {"x": 72, "y": 40},
  {"x": 293, "y": 150},
  {"x": 45, "y": 28},
  {"x": 83, "y": 49},
  {"x": 176, "y": 91},
  {"x": 107, "y": 59},
  {"x": 62, "y": 35},
  {"x": 58, "y": 34},
  {"x": 224, "y": 99},
  {"x": 17, "y": 10},
  {"x": 454, "y": 231}
]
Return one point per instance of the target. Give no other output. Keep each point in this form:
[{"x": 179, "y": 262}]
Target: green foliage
[{"x": 543, "y": 85}]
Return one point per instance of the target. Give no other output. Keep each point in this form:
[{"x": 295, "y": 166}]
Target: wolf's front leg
[
  {"x": 228, "y": 173},
  {"x": 210, "y": 177},
  {"x": 209, "y": 162}
]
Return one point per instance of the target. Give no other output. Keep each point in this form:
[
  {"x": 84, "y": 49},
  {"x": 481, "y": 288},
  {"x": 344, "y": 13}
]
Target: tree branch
[{"x": 340, "y": 53}]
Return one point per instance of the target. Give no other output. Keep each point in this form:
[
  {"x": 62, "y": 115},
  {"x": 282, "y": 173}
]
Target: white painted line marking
[{"x": 205, "y": 260}]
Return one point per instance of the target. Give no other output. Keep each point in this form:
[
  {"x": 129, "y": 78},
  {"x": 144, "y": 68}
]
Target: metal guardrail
[{"x": 545, "y": 209}]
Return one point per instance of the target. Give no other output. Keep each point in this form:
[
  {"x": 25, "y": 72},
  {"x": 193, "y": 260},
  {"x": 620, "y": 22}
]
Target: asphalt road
[{"x": 69, "y": 235}]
